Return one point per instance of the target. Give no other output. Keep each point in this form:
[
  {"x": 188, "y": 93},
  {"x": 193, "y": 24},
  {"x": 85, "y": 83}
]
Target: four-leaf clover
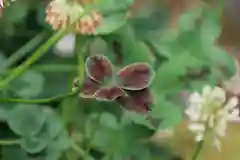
[{"x": 128, "y": 86}]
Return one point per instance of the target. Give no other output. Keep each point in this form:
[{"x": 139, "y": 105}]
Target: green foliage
[
  {"x": 111, "y": 23},
  {"x": 48, "y": 121},
  {"x": 13, "y": 152},
  {"x": 26, "y": 119}
]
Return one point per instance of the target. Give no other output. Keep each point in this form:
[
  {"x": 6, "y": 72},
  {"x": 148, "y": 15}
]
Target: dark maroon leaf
[
  {"x": 136, "y": 76},
  {"x": 109, "y": 93},
  {"x": 138, "y": 101},
  {"x": 98, "y": 68},
  {"x": 89, "y": 88}
]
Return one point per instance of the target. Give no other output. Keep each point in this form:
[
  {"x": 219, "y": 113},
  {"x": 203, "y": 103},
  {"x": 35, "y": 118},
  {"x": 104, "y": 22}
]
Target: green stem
[
  {"x": 198, "y": 149},
  {"x": 36, "y": 55},
  {"x": 48, "y": 68},
  {"x": 78, "y": 150},
  {"x": 26, "y": 49},
  {"x": 38, "y": 101},
  {"x": 9, "y": 142},
  {"x": 80, "y": 55}
]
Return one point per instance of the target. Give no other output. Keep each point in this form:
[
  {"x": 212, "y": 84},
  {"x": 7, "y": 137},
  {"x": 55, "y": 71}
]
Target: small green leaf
[
  {"x": 133, "y": 117},
  {"x": 108, "y": 120},
  {"x": 58, "y": 146},
  {"x": 218, "y": 57},
  {"x": 30, "y": 84},
  {"x": 167, "y": 76},
  {"x": 188, "y": 19},
  {"x": 133, "y": 50},
  {"x": 4, "y": 111},
  {"x": 33, "y": 144},
  {"x": 53, "y": 125},
  {"x": 148, "y": 20},
  {"x": 16, "y": 12},
  {"x": 13, "y": 153},
  {"x": 113, "y": 6},
  {"x": 112, "y": 23},
  {"x": 210, "y": 27},
  {"x": 26, "y": 120},
  {"x": 91, "y": 124},
  {"x": 167, "y": 111},
  {"x": 110, "y": 140}
]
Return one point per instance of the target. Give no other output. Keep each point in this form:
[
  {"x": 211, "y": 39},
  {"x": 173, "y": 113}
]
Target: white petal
[
  {"x": 211, "y": 121},
  {"x": 217, "y": 143},
  {"x": 204, "y": 117},
  {"x": 192, "y": 113},
  {"x": 218, "y": 94},
  {"x": 196, "y": 127},
  {"x": 195, "y": 98},
  {"x": 207, "y": 90},
  {"x": 199, "y": 137},
  {"x": 233, "y": 102},
  {"x": 221, "y": 128}
]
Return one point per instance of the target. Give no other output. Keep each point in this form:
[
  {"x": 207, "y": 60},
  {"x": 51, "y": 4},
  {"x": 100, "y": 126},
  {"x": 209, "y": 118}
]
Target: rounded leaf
[
  {"x": 109, "y": 93},
  {"x": 99, "y": 68},
  {"x": 136, "y": 76},
  {"x": 112, "y": 23},
  {"x": 52, "y": 127},
  {"x": 89, "y": 88},
  {"x": 33, "y": 144},
  {"x": 137, "y": 101},
  {"x": 26, "y": 120},
  {"x": 30, "y": 84}
]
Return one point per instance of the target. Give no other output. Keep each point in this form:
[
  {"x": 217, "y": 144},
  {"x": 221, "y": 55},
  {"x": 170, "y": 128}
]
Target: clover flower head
[
  {"x": 5, "y": 3},
  {"x": 128, "y": 86},
  {"x": 210, "y": 112},
  {"x": 89, "y": 23},
  {"x": 63, "y": 13}
]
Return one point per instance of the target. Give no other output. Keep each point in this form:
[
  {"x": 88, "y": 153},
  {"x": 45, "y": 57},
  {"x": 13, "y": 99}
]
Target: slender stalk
[
  {"x": 26, "y": 49},
  {"x": 36, "y": 55},
  {"x": 48, "y": 68},
  {"x": 38, "y": 101},
  {"x": 9, "y": 142},
  {"x": 80, "y": 55},
  {"x": 198, "y": 150}
]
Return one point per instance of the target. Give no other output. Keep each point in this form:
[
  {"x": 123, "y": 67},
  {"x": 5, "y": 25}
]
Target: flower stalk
[{"x": 198, "y": 150}]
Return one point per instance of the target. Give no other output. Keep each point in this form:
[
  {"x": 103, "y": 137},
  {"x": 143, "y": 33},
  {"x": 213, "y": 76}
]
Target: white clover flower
[
  {"x": 210, "y": 113},
  {"x": 63, "y": 13}
]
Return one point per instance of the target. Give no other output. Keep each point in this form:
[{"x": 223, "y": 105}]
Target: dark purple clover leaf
[
  {"x": 135, "y": 76},
  {"x": 137, "y": 101},
  {"x": 99, "y": 83},
  {"x": 109, "y": 93},
  {"x": 89, "y": 88},
  {"x": 99, "y": 68}
]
